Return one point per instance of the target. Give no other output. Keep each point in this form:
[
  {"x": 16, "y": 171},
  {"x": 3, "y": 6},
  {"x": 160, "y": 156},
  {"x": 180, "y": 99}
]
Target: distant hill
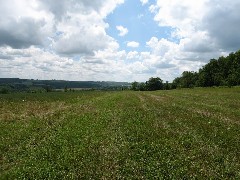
[{"x": 31, "y": 85}]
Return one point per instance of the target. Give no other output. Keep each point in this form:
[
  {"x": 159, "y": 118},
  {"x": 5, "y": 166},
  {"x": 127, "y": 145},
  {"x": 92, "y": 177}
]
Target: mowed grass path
[{"x": 176, "y": 134}]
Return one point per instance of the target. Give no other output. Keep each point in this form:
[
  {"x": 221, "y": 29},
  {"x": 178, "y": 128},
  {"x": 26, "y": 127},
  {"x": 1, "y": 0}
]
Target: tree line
[
  {"x": 224, "y": 71},
  {"x": 151, "y": 85}
]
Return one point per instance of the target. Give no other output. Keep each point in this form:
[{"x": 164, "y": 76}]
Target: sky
[{"x": 114, "y": 40}]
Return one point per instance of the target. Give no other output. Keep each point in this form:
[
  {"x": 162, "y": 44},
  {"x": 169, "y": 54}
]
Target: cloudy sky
[{"x": 114, "y": 40}]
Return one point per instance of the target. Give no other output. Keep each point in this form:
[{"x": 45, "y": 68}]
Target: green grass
[{"x": 178, "y": 134}]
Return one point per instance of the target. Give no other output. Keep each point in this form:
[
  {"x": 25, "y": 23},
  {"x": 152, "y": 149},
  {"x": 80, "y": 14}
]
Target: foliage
[
  {"x": 142, "y": 86},
  {"x": 4, "y": 90},
  {"x": 151, "y": 85},
  {"x": 154, "y": 84},
  {"x": 167, "y": 86},
  {"x": 187, "y": 80},
  {"x": 222, "y": 72},
  {"x": 135, "y": 86}
]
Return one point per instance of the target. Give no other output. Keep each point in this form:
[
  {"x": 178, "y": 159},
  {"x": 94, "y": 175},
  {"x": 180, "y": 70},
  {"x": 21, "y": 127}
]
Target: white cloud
[
  {"x": 68, "y": 27},
  {"x": 84, "y": 38},
  {"x": 83, "y": 30},
  {"x": 61, "y": 8},
  {"x": 34, "y": 63},
  {"x": 222, "y": 23},
  {"x": 133, "y": 44},
  {"x": 144, "y": 2},
  {"x": 39, "y": 64},
  {"x": 198, "y": 32},
  {"x": 161, "y": 47},
  {"x": 213, "y": 24},
  {"x": 170, "y": 59},
  {"x": 153, "y": 8},
  {"x": 68, "y": 39},
  {"x": 133, "y": 55},
  {"x": 122, "y": 30},
  {"x": 23, "y": 25}
]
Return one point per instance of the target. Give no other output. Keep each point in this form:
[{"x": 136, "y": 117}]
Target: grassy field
[{"x": 178, "y": 134}]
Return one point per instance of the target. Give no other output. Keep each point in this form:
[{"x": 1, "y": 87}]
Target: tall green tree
[
  {"x": 135, "y": 86},
  {"x": 154, "y": 84},
  {"x": 142, "y": 86},
  {"x": 189, "y": 79}
]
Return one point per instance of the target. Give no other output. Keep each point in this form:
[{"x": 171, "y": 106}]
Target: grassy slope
[{"x": 131, "y": 135}]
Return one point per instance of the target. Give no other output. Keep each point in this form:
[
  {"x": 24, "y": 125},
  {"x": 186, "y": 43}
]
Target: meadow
[{"x": 176, "y": 134}]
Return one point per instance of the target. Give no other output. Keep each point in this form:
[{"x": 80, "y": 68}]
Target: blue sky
[
  {"x": 140, "y": 24},
  {"x": 114, "y": 40}
]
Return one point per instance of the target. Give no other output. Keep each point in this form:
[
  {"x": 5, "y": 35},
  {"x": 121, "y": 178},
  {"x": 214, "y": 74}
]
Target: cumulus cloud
[
  {"x": 22, "y": 25},
  {"x": 22, "y": 33},
  {"x": 63, "y": 7},
  {"x": 83, "y": 30},
  {"x": 133, "y": 55},
  {"x": 222, "y": 23},
  {"x": 171, "y": 58},
  {"x": 83, "y": 39},
  {"x": 161, "y": 47},
  {"x": 33, "y": 62},
  {"x": 133, "y": 44},
  {"x": 201, "y": 30},
  {"x": 203, "y": 25},
  {"x": 184, "y": 15},
  {"x": 39, "y": 64},
  {"x": 68, "y": 27},
  {"x": 68, "y": 39},
  {"x": 122, "y": 30},
  {"x": 144, "y": 2}
]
